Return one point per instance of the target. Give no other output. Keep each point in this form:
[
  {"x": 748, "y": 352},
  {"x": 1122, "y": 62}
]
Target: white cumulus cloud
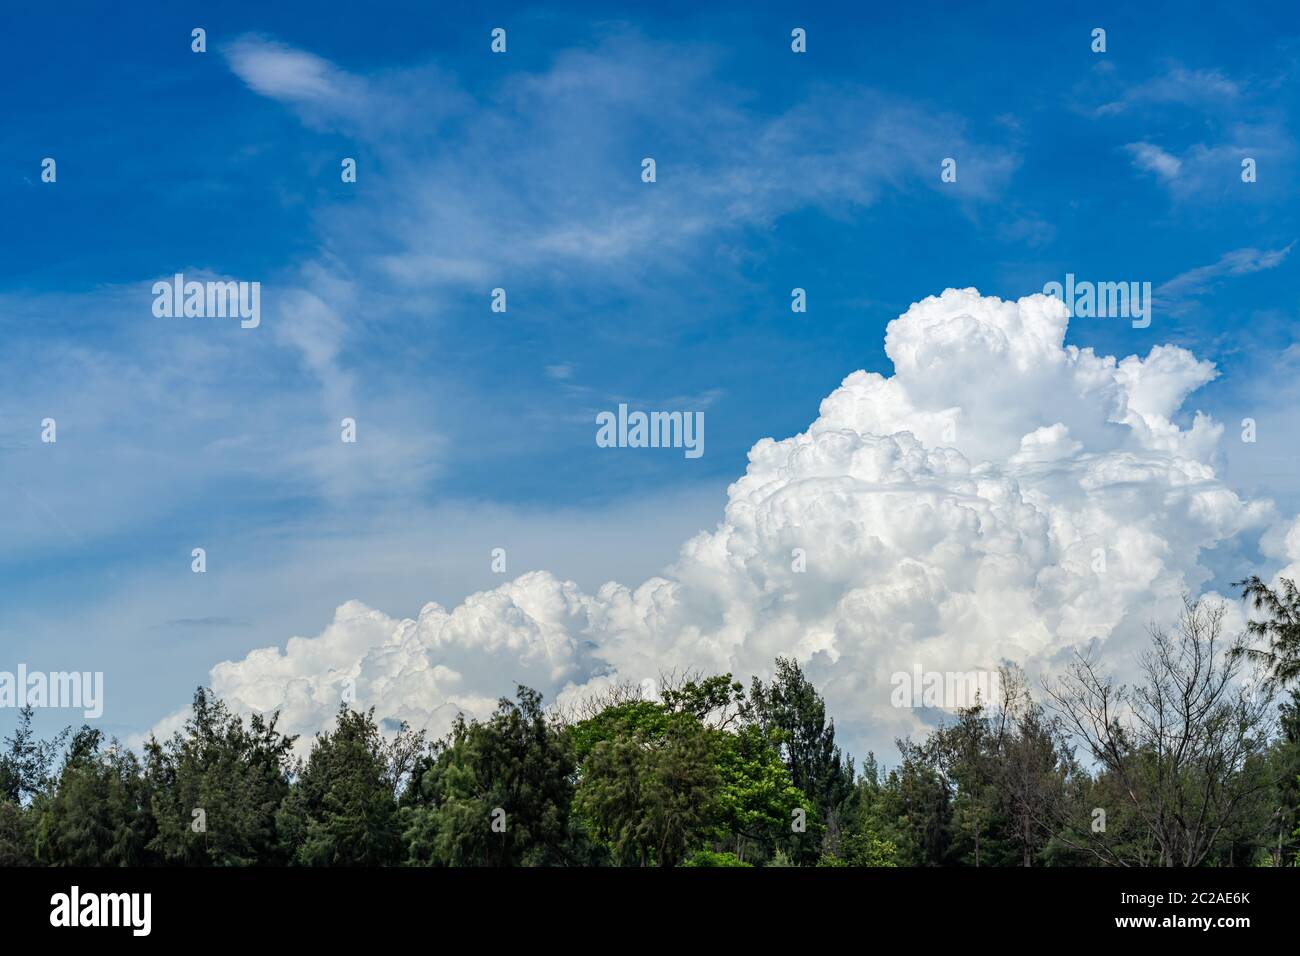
[{"x": 950, "y": 516}]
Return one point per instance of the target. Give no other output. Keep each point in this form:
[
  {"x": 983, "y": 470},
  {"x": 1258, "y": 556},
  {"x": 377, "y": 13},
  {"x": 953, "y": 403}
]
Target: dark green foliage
[
  {"x": 516, "y": 771},
  {"x": 1280, "y": 629},
  {"x": 342, "y": 810},
  {"x": 17, "y": 842},
  {"x": 708, "y": 858},
  {"x": 791, "y": 709},
  {"x": 861, "y": 847},
  {"x": 708, "y": 776},
  {"x": 692, "y": 772},
  {"x": 25, "y": 762},
  {"x": 651, "y": 797},
  {"x": 216, "y": 787},
  {"x": 1284, "y": 771},
  {"x": 97, "y": 812}
]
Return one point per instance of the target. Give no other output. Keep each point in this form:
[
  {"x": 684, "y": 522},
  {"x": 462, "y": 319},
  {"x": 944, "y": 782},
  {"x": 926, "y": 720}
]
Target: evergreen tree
[
  {"x": 791, "y": 709},
  {"x": 216, "y": 787},
  {"x": 96, "y": 814},
  {"x": 496, "y": 793},
  {"x": 342, "y": 809},
  {"x": 1280, "y": 658}
]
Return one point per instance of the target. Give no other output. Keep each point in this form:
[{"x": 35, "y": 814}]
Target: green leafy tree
[
  {"x": 1296, "y": 834},
  {"x": 17, "y": 841},
  {"x": 966, "y": 756},
  {"x": 861, "y": 848},
  {"x": 216, "y": 787},
  {"x": 1280, "y": 658},
  {"x": 97, "y": 812},
  {"x": 342, "y": 809},
  {"x": 791, "y": 709},
  {"x": 651, "y": 797},
  {"x": 757, "y": 800},
  {"x": 496, "y": 793},
  {"x": 713, "y": 859},
  {"x": 25, "y": 766},
  {"x": 915, "y": 805},
  {"x": 1284, "y": 759},
  {"x": 701, "y": 737},
  {"x": 26, "y": 761}
]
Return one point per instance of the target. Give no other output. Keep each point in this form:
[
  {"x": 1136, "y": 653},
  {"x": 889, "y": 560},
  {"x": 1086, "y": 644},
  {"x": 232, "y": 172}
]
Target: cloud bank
[{"x": 949, "y": 516}]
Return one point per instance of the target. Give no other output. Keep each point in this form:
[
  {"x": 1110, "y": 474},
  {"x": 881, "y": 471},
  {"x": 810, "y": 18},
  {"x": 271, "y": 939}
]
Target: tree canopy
[{"x": 1197, "y": 764}]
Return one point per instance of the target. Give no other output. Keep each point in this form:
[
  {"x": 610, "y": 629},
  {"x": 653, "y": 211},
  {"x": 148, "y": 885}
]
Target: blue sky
[{"x": 522, "y": 170}]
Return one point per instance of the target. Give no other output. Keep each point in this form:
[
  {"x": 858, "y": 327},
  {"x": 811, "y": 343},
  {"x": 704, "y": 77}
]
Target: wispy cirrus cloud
[
  {"x": 291, "y": 75},
  {"x": 544, "y": 171},
  {"x": 1235, "y": 118},
  {"x": 1176, "y": 294},
  {"x": 1153, "y": 159},
  {"x": 326, "y": 96},
  {"x": 1204, "y": 171},
  {"x": 1178, "y": 85}
]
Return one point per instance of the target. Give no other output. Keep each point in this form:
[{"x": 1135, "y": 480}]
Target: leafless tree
[
  {"x": 1179, "y": 748},
  {"x": 589, "y": 706},
  {"x": 668, "y": 685}
]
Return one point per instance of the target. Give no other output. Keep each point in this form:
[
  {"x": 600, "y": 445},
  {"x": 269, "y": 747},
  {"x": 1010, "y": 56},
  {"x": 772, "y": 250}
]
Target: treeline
[{"x": 1191, "y": 767}]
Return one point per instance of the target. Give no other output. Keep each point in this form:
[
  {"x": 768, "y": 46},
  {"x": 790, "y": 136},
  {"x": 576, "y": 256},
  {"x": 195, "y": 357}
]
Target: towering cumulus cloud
[{"x": 1000, "y": 497}]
